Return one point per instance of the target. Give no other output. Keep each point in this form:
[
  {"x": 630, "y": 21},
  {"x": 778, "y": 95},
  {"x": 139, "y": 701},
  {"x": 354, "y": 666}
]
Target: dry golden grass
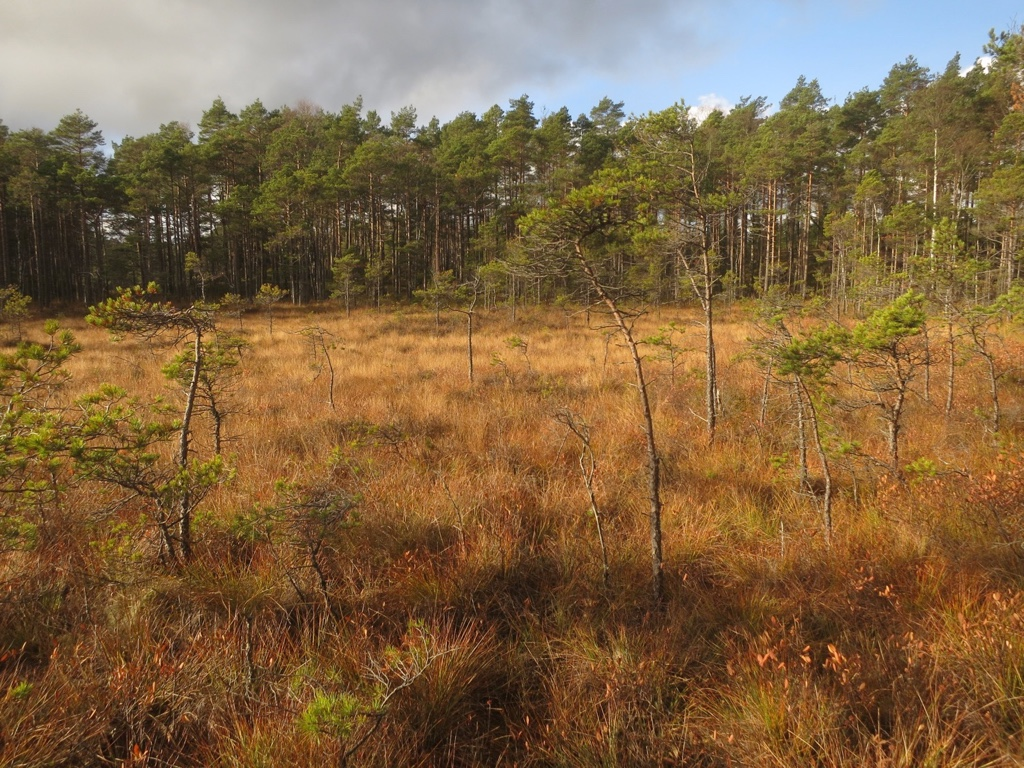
[{"x": 473, "y": 555}]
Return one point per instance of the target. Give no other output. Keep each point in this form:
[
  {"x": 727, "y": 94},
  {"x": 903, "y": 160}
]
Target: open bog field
[{"x": 412, "y": 574}]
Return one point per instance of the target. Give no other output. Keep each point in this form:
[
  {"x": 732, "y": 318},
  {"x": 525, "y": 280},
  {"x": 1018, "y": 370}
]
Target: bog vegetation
[
  {"x": 209, "y": 559},
  {"x": 516, "y": 442}
]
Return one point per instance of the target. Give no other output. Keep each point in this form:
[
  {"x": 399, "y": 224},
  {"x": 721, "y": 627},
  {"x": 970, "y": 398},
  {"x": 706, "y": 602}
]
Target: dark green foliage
[
  {"x": 33, "y": 435},
  {"x": 341, "y": 203},
  {"x": 118, "y": 449},
  {"x": 120, "y": 443},
  {"x": 888, "y": 330},
  {"x": 13, "y": 310}
]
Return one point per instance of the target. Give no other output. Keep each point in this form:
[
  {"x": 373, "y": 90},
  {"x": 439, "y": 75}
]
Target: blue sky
[
  {"x": 132, "y": 65},
  {"x": 761, "y": 49}
]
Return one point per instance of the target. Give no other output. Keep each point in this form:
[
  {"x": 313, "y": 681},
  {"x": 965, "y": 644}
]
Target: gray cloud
[{"x": 134, "y": 64}]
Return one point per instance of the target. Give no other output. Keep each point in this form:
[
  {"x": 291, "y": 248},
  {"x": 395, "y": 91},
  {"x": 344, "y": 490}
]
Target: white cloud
[
  {"x": 134, "y": 64},
  {"x": 985, "y": 62},
  {"x": 708, "y": 103}
]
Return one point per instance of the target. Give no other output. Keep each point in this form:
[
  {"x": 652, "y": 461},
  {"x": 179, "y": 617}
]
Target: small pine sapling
[
  {"x": 33, "y": 436},
  {"x": 885, "y": 356},
  {"x": 982, "y": 325},
  {"x": 808, "y": 361},
  {"x": 310, "y": 520},
  {"x": 588, "y": 471},
  {"x": 198, "y": 268},
  {"x": 117, "y": 441},
  {"x": 667, "y": 346},
  {"x": 344, "y": 270},
  {"x": 515, "y": 342},
  {"x": 232, "y": 305},
  {"x": 439, "y": 295},
  {"x": 268, "y": 296},
  {"x": 583, "y": 236},
  {"x": 137, "y": 312},
  {"x": 218, "y": 378},
  {"x": 466, "y": 296},
  {"x": 13, "y": 309},
  {"x": 321, "y": 343}
]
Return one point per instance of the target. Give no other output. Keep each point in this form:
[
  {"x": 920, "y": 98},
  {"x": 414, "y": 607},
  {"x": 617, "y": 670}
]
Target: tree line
[{"x": 846, "y": 201}]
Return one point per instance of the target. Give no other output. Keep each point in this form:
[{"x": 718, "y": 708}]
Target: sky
[{"x": 132, "y": 65}]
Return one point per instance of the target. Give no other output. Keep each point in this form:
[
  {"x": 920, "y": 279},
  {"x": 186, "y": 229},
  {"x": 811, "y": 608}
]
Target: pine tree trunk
[
  {"x": 826, "y": 471},
  {"x": 653, "y": 460},
  {"x": 184, "y": 503}
]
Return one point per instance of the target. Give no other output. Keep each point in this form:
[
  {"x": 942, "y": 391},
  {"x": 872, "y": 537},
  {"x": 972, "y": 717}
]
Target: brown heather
[{"x": 462, "y": 619}]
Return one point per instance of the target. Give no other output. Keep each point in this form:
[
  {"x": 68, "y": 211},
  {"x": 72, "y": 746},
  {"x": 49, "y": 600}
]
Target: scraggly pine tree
[
  {"x": 582, "y": 236},
  {"x": 118, "y": 440}
]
